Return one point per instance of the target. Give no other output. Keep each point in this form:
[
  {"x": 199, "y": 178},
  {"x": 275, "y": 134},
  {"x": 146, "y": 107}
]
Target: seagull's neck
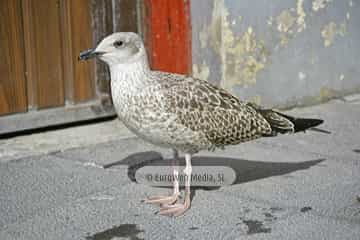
[
  {"x": 127, "y": 80},
  {"x": 135, "y": 74}
]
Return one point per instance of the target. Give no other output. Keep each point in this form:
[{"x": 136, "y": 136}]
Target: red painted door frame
[{"x": 168, "y": 35}]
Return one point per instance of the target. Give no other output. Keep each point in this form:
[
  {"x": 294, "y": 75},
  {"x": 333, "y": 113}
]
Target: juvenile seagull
[{"x": 181, "y": 112}]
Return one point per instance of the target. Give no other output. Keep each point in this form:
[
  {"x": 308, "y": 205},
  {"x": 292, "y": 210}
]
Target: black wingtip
[{"x": 302, "y": 124}]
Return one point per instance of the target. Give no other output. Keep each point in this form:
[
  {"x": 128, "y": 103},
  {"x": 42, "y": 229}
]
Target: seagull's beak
[{"x": 88, "y": 54}]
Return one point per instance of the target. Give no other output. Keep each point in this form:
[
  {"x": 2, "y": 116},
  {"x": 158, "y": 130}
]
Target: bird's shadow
[{"x": 245, "y": 170}]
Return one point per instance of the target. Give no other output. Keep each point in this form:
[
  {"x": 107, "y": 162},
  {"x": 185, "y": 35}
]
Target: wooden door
[
  {"x": 55, "y": 32},
  {"x": 12, "y": 78},
  {"x": 40, "y": 41},
  {"x": 40, "y": 76}
]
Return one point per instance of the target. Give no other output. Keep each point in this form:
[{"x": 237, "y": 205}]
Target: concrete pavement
[{"x": 302, "y": 186}]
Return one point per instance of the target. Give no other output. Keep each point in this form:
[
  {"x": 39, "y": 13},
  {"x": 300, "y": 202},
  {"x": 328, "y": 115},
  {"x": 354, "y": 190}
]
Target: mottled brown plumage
[{"x": 205, "y": 108}]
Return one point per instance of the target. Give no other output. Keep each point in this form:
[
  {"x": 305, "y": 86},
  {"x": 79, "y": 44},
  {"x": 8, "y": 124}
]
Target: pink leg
[
  {"x": 168, "y": 200},
  {"x": 180, "y": 208}
]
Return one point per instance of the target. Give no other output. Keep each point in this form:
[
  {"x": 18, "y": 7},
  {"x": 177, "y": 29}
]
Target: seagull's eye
[{"x": 118, "y": 43}]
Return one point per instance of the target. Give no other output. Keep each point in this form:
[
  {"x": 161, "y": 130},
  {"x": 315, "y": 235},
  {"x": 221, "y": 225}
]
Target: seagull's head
[{"x": 117, "y": 48}]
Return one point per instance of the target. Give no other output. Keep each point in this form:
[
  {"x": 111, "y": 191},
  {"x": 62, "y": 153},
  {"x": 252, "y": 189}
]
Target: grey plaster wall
[{"x": 278, "y": 53}]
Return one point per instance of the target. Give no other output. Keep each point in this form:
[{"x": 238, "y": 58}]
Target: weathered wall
[{"x": 281, "y": 52}]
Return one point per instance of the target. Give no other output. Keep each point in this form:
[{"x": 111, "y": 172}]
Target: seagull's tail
[
  {"x": 282, "y": 123},
  {"x": 301, "y": 124}
]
